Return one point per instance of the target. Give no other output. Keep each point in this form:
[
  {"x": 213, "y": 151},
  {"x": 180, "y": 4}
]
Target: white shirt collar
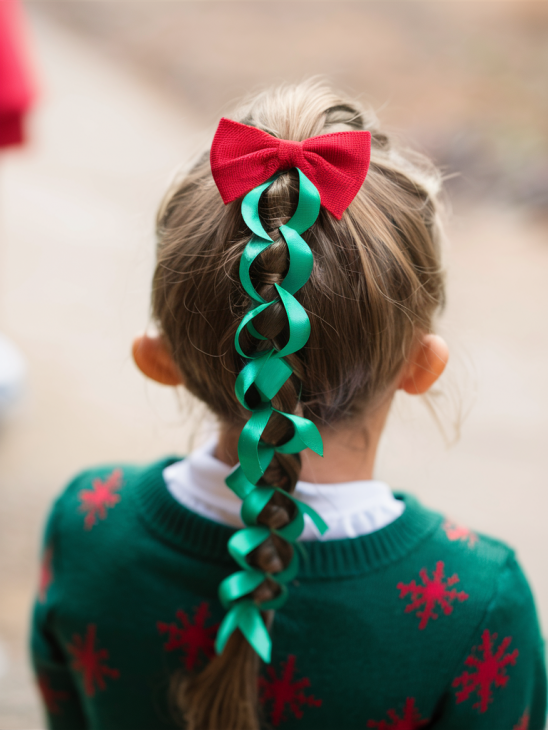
[{"x": 349, "y": 508}]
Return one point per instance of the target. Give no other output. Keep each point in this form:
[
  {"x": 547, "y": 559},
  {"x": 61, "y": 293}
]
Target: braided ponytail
[
  {"x": 376, "y": 282},
  {"x": 211, "y": 699}
]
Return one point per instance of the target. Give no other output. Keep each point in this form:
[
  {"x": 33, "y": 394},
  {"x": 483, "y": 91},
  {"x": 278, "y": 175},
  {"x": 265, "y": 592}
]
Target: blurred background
[{"x": 128, "y": 91}]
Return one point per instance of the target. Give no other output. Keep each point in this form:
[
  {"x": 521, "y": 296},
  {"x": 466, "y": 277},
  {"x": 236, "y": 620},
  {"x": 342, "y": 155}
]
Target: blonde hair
[{"x": 377, "y": 282}]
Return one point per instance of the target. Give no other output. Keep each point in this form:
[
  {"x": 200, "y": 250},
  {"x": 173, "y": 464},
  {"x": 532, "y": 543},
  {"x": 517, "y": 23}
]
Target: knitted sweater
[{"x": 422, "y": 624}]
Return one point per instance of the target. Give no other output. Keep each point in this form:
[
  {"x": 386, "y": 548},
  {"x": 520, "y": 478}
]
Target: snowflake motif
[
  {"x": 46, "y": 575},
  {"x": 90, "y": 661},
  {"x": 193, "y": 637},
  {"x": 95, "y": 501},
  {"x": 455, "y": 532},
  {"x": 283, "y": 691},
  {"x": 410, "y": 720},
  {"x": 434, "y": 591},
  {"x": 523, "y": 723},
  {"x": 51, "y": 696},
  {"x": 489, "y": 670}
]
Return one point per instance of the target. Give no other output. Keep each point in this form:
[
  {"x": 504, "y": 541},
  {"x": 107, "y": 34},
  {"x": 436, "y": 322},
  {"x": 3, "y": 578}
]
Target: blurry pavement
[
  {"x": 76, "y": 219},
  {"x": 76, "y": 252}
]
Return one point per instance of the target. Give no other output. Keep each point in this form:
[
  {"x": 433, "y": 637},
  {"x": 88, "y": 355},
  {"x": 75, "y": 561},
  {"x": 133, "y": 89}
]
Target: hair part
[{"x": 377, "y": 282}]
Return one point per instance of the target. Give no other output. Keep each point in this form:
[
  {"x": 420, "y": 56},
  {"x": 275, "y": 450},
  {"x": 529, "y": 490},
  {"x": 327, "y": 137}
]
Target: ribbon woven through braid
[{"x": 268, "y": 371}]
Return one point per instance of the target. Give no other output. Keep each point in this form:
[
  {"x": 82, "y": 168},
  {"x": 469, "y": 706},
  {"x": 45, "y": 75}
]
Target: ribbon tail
[
  {"x": 320, "y": 523},
  {"x": 306, "y": 509},
  {"x": 246, "y": 617},
  {"x": 228, "y": 625},
  {"x": 253, "y": 628}
]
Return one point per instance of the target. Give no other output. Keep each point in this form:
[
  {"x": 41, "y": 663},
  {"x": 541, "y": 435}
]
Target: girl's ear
[
  {"x": 153, "y": 358},
  {"x": 425, "y": 365}
]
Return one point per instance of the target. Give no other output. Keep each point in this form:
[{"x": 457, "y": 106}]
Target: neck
[{"x": 349, "y": 451}]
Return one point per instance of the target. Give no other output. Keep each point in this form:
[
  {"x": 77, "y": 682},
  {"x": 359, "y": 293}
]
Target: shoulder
[
  {"x": 91, "y": 531},
  {"x": 471, "y": 571},
  {"x": 467, "y": 591},
  {"x": 475, "y": 547},
  {"x": 498, "y": 640},
  {"x": 97, "y": 497},
  {"x": 489, "y": 567},
  {"x": 459, "y": 543}
]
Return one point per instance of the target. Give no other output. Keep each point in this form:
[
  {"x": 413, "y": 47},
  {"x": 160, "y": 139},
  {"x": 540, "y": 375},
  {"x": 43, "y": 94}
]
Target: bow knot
[
  {"x": 244, "y": 157},
  {"x": 289, "y": 154}
]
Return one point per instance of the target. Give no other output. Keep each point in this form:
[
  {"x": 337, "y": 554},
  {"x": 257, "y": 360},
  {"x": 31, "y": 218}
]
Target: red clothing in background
[{"x": 16, "y": 85}]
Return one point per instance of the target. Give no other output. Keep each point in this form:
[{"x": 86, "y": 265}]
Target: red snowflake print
[
  {"x": 46, "y": 575},
  {"x": 90, "y": 661},
  {"x": 194, "y": 636},
  {"x": 489, "y": 670},
  {"x": 455, "y": 532},
  {"x": 410, "y": 720},
  {"x": 284, "y": 691},
  {"x": 51, "y": 696},
  {"x": 434, "y": 591},
  {"x": 523, "y": 723},
  {"x": 95, "y": 501}
]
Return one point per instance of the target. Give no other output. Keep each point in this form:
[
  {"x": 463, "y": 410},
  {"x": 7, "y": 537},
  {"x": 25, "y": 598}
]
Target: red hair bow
[{"x": 243, "y": 157}]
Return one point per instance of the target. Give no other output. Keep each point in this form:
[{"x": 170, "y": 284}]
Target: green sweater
[{"x": 422, "y": 624}]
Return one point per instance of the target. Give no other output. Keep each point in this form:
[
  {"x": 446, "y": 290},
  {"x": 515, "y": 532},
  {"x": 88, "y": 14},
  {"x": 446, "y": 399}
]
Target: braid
[
  {"x": 274, "y": 554},
  {"x": 236, "y": 708},
  {"x": 268, "y": 333}
]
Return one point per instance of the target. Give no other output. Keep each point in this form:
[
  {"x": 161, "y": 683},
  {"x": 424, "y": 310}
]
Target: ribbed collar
[
  {"x": 353, "y": 508},
  {"x": 202, "y": 538}
]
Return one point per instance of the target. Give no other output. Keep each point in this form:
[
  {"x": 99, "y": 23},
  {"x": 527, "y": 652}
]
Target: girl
[{"x": 296, "y": 286}]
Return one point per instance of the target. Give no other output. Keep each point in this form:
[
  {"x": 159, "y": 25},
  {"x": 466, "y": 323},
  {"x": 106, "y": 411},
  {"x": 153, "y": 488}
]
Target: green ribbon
[{"x": 267, "y": 371}]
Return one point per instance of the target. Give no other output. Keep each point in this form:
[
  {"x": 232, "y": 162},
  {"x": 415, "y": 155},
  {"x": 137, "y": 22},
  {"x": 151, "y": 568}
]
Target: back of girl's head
[{"x": 376, "y": 284}]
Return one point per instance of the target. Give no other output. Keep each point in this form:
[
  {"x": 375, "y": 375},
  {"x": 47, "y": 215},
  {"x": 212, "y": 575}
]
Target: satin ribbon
[{"x": 267, "y": 371}]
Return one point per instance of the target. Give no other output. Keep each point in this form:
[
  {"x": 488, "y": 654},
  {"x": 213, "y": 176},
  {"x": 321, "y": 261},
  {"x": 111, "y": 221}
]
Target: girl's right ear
[{"x": 153, "y": 358}]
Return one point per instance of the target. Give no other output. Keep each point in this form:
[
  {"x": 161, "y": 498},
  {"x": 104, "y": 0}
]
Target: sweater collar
[
  {"x": 202, "y": 538},
  {"x": 349, "y": 508}
]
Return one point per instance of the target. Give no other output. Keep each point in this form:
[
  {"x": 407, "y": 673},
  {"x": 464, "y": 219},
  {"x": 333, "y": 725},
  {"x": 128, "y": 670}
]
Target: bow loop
[{"x": 244, "y": 157}]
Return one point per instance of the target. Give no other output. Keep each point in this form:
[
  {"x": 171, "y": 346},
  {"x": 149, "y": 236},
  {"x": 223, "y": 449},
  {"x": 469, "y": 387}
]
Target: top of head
[{"x": 377, "y": 279}]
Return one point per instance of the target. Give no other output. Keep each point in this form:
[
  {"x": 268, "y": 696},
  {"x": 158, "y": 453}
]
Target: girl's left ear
[
  {"x": 425, "y": 365},
  {"x": 153, "y": 358}
]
